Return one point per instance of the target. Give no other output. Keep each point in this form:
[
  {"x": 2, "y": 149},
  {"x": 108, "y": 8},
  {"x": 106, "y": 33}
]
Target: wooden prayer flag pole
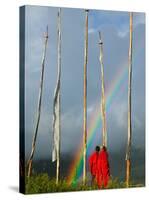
[
  {"x": 38, "y": 106},
  {"x": 128, "y": 151},
  {"x": 59, "y": 69},
  {"x": 103, "y": 101},
  {"x": 57, "y": 106},
  {"x": 85, "y": 98}
]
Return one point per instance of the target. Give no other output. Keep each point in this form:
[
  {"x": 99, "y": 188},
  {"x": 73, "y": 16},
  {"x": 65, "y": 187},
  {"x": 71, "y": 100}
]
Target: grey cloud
[{"x": 115, "y": 56}]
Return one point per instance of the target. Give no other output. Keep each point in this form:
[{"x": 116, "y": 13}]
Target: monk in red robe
[
  {"x": 93, "y": 163},
  {"x": 103, "y": 169}
]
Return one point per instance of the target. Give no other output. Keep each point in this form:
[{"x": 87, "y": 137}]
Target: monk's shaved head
[{"x": 97, "y": 148}]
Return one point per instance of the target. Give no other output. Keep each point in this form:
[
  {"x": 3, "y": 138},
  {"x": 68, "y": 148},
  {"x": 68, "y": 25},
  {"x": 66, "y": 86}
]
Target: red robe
[
  {"x": 93, "y": 160},
  {"x": 103, "y": 172}
]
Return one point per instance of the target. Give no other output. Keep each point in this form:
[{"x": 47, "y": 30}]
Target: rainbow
[
  {"x": 75, "y": 171},
  {"x": 119, "y": 81}
]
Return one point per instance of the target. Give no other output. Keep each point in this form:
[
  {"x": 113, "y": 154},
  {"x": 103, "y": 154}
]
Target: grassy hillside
[
  {"x": 43, "y": 179},
  {"x": 42, "y": 184}
]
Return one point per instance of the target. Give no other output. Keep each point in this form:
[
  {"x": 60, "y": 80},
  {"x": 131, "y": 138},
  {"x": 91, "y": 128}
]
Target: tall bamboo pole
[
  {"x": 85, "y": 98},
  {"x": 128, "y": 151},
  {"x": 103, "y": 103},
  {"x": 38, "y": 106},
  {"x": 59, "y": 72}
]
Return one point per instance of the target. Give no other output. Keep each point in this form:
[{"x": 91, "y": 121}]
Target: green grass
[{"x": 42, "y": 184}]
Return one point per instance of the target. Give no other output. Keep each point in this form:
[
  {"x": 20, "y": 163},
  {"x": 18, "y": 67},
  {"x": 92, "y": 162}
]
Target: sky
[{"x": 114, "y": 27}]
